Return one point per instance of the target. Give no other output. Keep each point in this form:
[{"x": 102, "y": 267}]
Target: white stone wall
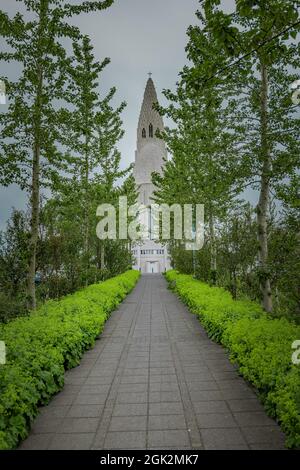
[
  {"x": 149, "y": 158},
  {"x": 151, "y": 254}
]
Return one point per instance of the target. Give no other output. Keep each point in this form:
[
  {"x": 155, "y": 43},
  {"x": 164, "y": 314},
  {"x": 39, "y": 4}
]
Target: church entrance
[{"x": 152, "y": 267}]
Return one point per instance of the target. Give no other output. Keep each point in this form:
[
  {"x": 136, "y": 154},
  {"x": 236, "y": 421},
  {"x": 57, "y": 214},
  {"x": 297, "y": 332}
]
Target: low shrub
[
  {"x": 41, "y": 346},
  {"x": 258, "y": 343}
]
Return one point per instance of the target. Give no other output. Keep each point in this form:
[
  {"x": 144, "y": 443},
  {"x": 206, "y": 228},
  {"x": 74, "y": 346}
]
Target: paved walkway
[{"x": 154, "y": 380}]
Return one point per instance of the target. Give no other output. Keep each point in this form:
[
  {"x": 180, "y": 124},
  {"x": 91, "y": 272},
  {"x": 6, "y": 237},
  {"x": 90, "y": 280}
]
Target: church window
[
  {"x": 144, "y": 133},
  {"x": 150, "y": 130}
]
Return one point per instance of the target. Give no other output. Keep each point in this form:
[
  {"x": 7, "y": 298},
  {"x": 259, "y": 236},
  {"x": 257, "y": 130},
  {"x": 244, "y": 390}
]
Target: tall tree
[
  {"x": 92, "y": 129},
  {"x": 257, "y": 40},
  {"x": 31, "y": 129}
]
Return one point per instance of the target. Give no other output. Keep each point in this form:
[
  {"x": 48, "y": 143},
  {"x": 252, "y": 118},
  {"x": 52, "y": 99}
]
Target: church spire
[
  {"x": 150, "y": 157},
  {"x": 150, "y": 120}
]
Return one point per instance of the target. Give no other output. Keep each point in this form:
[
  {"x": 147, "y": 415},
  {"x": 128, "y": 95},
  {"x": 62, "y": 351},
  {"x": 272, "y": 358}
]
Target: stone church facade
[{"x": 150, "y": 256}]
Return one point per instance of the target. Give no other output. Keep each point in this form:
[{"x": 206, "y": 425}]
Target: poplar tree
[
  {"x": 258, "y": 41},
  {"x": 92, "y": 128},
  {"x": 30, "y": 130}
]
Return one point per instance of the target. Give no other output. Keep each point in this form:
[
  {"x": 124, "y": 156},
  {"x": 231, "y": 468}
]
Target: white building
[{"x": 150, "y": 256}]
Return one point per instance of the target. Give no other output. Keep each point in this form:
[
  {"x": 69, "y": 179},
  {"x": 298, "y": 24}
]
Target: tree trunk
[
  {"x": 35, "y": 209},
  {"x": 263, "y": 203},
  {"x": 86, "y": 243},
  {"x": 213, "y": 250},
  {"x": 234, "y": 285},
  {"x": 102, "y": 255},
  {"x": 35, "y": 197},
  {"x": 37, "y": 140},
  {"x": 86, "y": 208}
]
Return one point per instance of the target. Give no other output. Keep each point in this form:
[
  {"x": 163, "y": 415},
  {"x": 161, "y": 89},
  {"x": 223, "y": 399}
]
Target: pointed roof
[
  {"x": 148, "y": 114},
  {"x": 150, "y": 95},
  {"x": 150, "y": 150}
]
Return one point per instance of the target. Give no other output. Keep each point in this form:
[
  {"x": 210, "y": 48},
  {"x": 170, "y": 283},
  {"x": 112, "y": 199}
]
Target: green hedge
[
  {"x": 259, "y": 344},
  {"x": 41, "y": 346}
]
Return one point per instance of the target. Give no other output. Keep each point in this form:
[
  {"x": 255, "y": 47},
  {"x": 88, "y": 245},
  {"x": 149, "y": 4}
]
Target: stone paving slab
[{"x": 154, "y": 380}]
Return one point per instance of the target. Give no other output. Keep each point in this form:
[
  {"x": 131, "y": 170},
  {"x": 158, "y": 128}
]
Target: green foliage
[
  {"x": 11, "y": 307},
  {"x": 36, "y": 100},
  {"x": 264, "y": 120},
  {"x": 214, "y": 305},
  {"x": 284, "y": 263},
  {"x": 259, "y": 344},
  {"x": 13, "y": 266},
  {"x": 40, "y": 347},
  {"x": 236, "y": 127},
  {"x": 13, "y": 252},
  {"x": 61, "y": 261}
]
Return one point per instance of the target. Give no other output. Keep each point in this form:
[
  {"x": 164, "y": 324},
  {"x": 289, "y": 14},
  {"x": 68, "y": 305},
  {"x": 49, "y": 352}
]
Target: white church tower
[{"x": 150, "y": 256}]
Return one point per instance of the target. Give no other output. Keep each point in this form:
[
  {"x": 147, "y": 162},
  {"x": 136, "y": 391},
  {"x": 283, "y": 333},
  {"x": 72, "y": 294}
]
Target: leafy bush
[
  {"x": 259, "y": 344},
  {"x": 41, "y": 346},
  {"x": 11, "y": 308}
]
